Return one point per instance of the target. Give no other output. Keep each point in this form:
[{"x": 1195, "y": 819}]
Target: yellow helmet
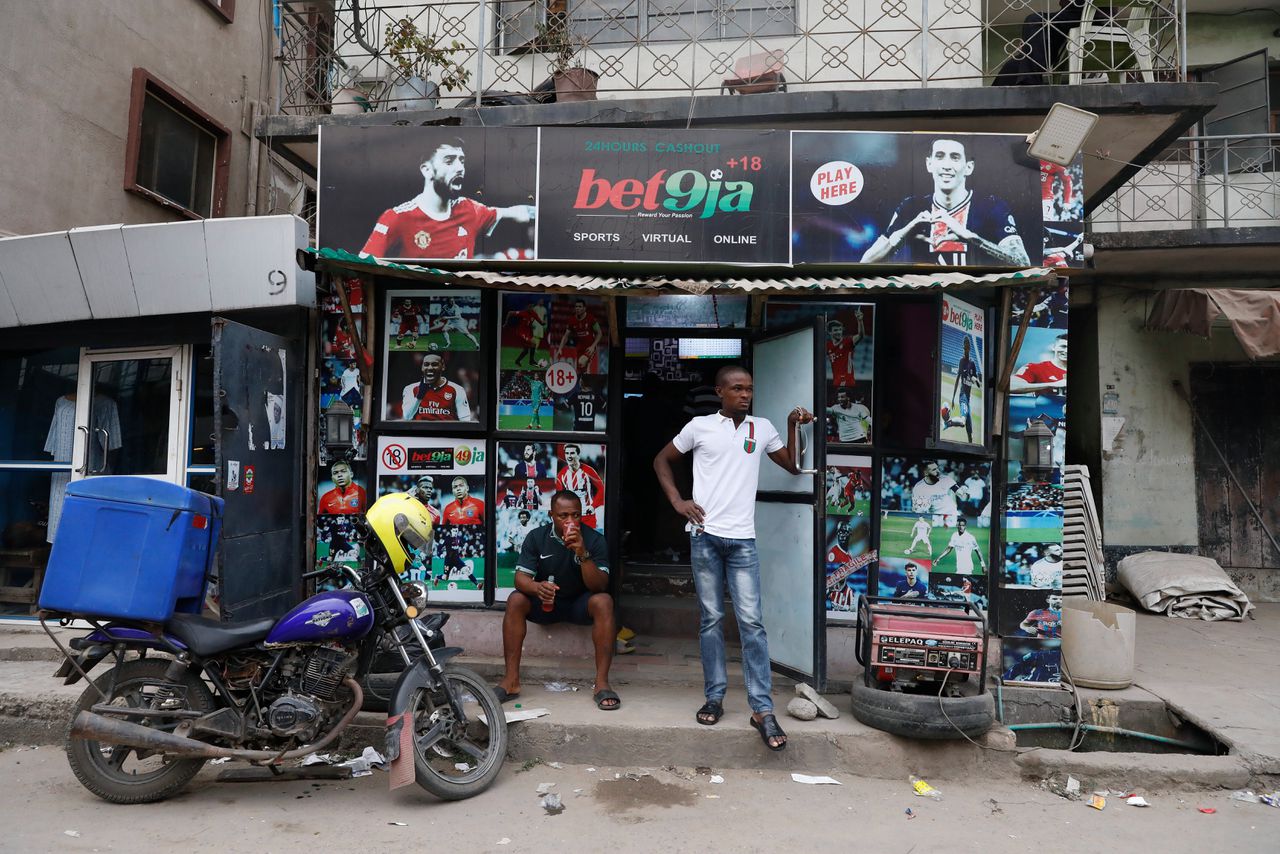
[{"x": 403, "y": 526}]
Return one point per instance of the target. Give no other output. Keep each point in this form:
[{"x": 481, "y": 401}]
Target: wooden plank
[
  {"x": 1268, "y": 379},
  {"x": 1213, "y": 512},
  {"x": 25, "y": 595},
  {"x": 1241, "y": 442}
]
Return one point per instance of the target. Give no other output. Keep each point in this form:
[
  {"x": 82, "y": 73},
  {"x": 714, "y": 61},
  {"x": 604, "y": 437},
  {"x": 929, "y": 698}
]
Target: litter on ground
[
  {"x": 363, "y": 765},
  {"x": 559, "y": 687},
  {"x": 815, "y": 781},
  {"x": 924, "y": 790}
]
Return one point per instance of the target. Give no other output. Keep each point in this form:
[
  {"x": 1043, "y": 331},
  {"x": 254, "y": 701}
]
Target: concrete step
[{"x": 656, "y": 727}]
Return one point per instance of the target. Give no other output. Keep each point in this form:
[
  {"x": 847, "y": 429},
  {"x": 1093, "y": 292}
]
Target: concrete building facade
[{"x": 71, "y": 71}]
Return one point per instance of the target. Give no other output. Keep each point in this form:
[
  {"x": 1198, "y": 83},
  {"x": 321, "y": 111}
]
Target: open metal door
[
  {"x": 1243, "y": 111},
  {"x": 789, "y": 372},
  {"x": 257, "y": 421}
]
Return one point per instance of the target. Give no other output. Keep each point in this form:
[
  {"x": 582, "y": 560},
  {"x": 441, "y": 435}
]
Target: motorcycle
[{"x": 272, "y": 691}]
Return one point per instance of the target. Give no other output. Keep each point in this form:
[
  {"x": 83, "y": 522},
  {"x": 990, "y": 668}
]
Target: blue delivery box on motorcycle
[{"x": 131, "y": 548}]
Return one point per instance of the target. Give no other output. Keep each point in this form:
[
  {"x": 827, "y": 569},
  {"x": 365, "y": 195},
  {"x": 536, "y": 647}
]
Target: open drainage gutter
[{"x": 1113, "y": 730}]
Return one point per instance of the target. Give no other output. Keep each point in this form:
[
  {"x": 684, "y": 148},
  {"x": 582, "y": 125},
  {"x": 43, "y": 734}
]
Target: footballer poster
[
  {"x": 732, "y": 196},
  {"x": 529, "y": 473},
  {"x": 850, "y": 350},
  {"x": 418, "y": 194},
  {"x": 954, "y": 200},
  {"x": 1031, "y": 590},
  {"x": 963, "y": 368},
  {"x": 850, "y": 556},
  {"x": 448, "y": 476},
  {"x": 431, "y": 356},
  {"x": 935, "y": 527},
  {"x": 553, "y": 362}
]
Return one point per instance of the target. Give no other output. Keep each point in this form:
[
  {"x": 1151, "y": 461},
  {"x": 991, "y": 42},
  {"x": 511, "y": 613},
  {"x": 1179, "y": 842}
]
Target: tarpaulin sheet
[
  {"x": 1183, "y": 586},
  {"x": 1254, "y": 315}
]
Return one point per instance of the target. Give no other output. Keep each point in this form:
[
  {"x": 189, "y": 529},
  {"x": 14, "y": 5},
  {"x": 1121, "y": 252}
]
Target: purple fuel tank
[{"x": 343, "y": 615}]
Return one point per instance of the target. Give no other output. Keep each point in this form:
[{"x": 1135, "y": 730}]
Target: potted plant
[
  {"x": 573, "y": 82},
  {"x": 414, "y": 54},
  {"x": 346, "y": 96}
]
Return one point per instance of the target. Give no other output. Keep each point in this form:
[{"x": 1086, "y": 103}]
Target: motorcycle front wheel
[
  {"x": 125, "y": 775},
  {"x": 456, "y": 758}
]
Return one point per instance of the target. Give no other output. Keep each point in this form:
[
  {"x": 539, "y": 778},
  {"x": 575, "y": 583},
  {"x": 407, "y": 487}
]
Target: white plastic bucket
[{"x": 1098, "y": 642}]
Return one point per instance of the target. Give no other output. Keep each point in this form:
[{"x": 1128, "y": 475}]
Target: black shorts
[{"x": 565, "y": 610}]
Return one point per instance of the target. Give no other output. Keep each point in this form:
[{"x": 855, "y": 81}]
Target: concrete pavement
[
  {"x": 671, "y": 811},
  {"x": 1220, "y": 676}
]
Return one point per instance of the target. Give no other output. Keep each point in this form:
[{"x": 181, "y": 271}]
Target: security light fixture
[
  {"x": 339, "y": 423},
  {"x": 1037, "y": 452},
  {"x": 1062, "y": 134}
]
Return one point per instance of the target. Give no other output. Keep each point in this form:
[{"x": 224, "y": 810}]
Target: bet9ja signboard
[
  {"x": 622, "y": 195},
  {"x": 727, "y": 196}
]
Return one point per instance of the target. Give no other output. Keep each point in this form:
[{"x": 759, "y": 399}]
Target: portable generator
[{"x": 902, "y": 642}]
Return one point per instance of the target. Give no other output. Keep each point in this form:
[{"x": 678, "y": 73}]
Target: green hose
[{"x": 1113, "y": 730}]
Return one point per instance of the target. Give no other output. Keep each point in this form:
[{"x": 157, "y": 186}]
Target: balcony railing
[
  {"x": 333, "y": 53},
  {"x": 1201, "y": 182}
]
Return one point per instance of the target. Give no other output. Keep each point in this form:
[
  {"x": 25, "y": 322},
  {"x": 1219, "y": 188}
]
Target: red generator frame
[{"x": 920, "y": 640}]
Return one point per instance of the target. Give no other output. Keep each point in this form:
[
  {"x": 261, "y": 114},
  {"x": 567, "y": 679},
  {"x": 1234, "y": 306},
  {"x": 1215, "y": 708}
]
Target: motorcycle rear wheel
[
  {"x": 468, "y": 756},
  {"x": 123, "y": 775}
]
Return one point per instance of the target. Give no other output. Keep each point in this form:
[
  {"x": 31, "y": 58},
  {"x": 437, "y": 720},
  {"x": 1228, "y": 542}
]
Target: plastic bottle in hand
[{"x": 548, "y": 606}]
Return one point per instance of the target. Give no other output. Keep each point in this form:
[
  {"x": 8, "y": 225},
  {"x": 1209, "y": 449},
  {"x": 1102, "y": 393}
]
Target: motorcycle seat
[{"x": 207, "y": 637}]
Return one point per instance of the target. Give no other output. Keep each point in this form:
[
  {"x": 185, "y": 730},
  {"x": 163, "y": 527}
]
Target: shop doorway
[
  {"x": 667, "y": 381},
  {"x": 128, "y": 414}
]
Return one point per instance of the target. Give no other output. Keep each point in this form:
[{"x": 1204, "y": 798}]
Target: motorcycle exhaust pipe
[{"x": 105, "y": 730}]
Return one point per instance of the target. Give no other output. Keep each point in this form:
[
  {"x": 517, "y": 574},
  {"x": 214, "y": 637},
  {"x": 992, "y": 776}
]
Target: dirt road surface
[{"x": 664, "y": 810}]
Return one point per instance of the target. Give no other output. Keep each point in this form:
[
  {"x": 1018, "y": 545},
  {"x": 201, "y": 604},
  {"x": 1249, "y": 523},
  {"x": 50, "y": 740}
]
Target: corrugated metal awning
[
  {"x": 112, "y": 272},
  {"x": 787, "y": 281}
]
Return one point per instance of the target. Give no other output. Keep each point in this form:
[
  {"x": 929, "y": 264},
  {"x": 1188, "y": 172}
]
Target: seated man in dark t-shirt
[{"x": 562, "y": 575}]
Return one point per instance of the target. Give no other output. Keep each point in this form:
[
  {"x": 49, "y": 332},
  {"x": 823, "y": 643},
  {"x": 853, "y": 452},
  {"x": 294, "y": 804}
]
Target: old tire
[
  {"x": 920, "y": 715},
  {"x": 101, "y": 768}
]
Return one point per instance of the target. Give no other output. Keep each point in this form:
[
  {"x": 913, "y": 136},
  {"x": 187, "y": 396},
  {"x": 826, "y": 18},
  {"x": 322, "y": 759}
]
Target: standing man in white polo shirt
[{"x": 727, "y": 446}]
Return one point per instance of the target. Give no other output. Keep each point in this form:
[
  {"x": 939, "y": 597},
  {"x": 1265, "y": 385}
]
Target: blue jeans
[{"x": 718, "y": 561}]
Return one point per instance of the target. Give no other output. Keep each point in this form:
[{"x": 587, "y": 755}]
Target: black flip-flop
[
  {"x": 712, "y": 709},
  {"x": 768, "y": 728},
  {"x": 503, "y": 695},
  {"x": 605, "y": 694}
]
